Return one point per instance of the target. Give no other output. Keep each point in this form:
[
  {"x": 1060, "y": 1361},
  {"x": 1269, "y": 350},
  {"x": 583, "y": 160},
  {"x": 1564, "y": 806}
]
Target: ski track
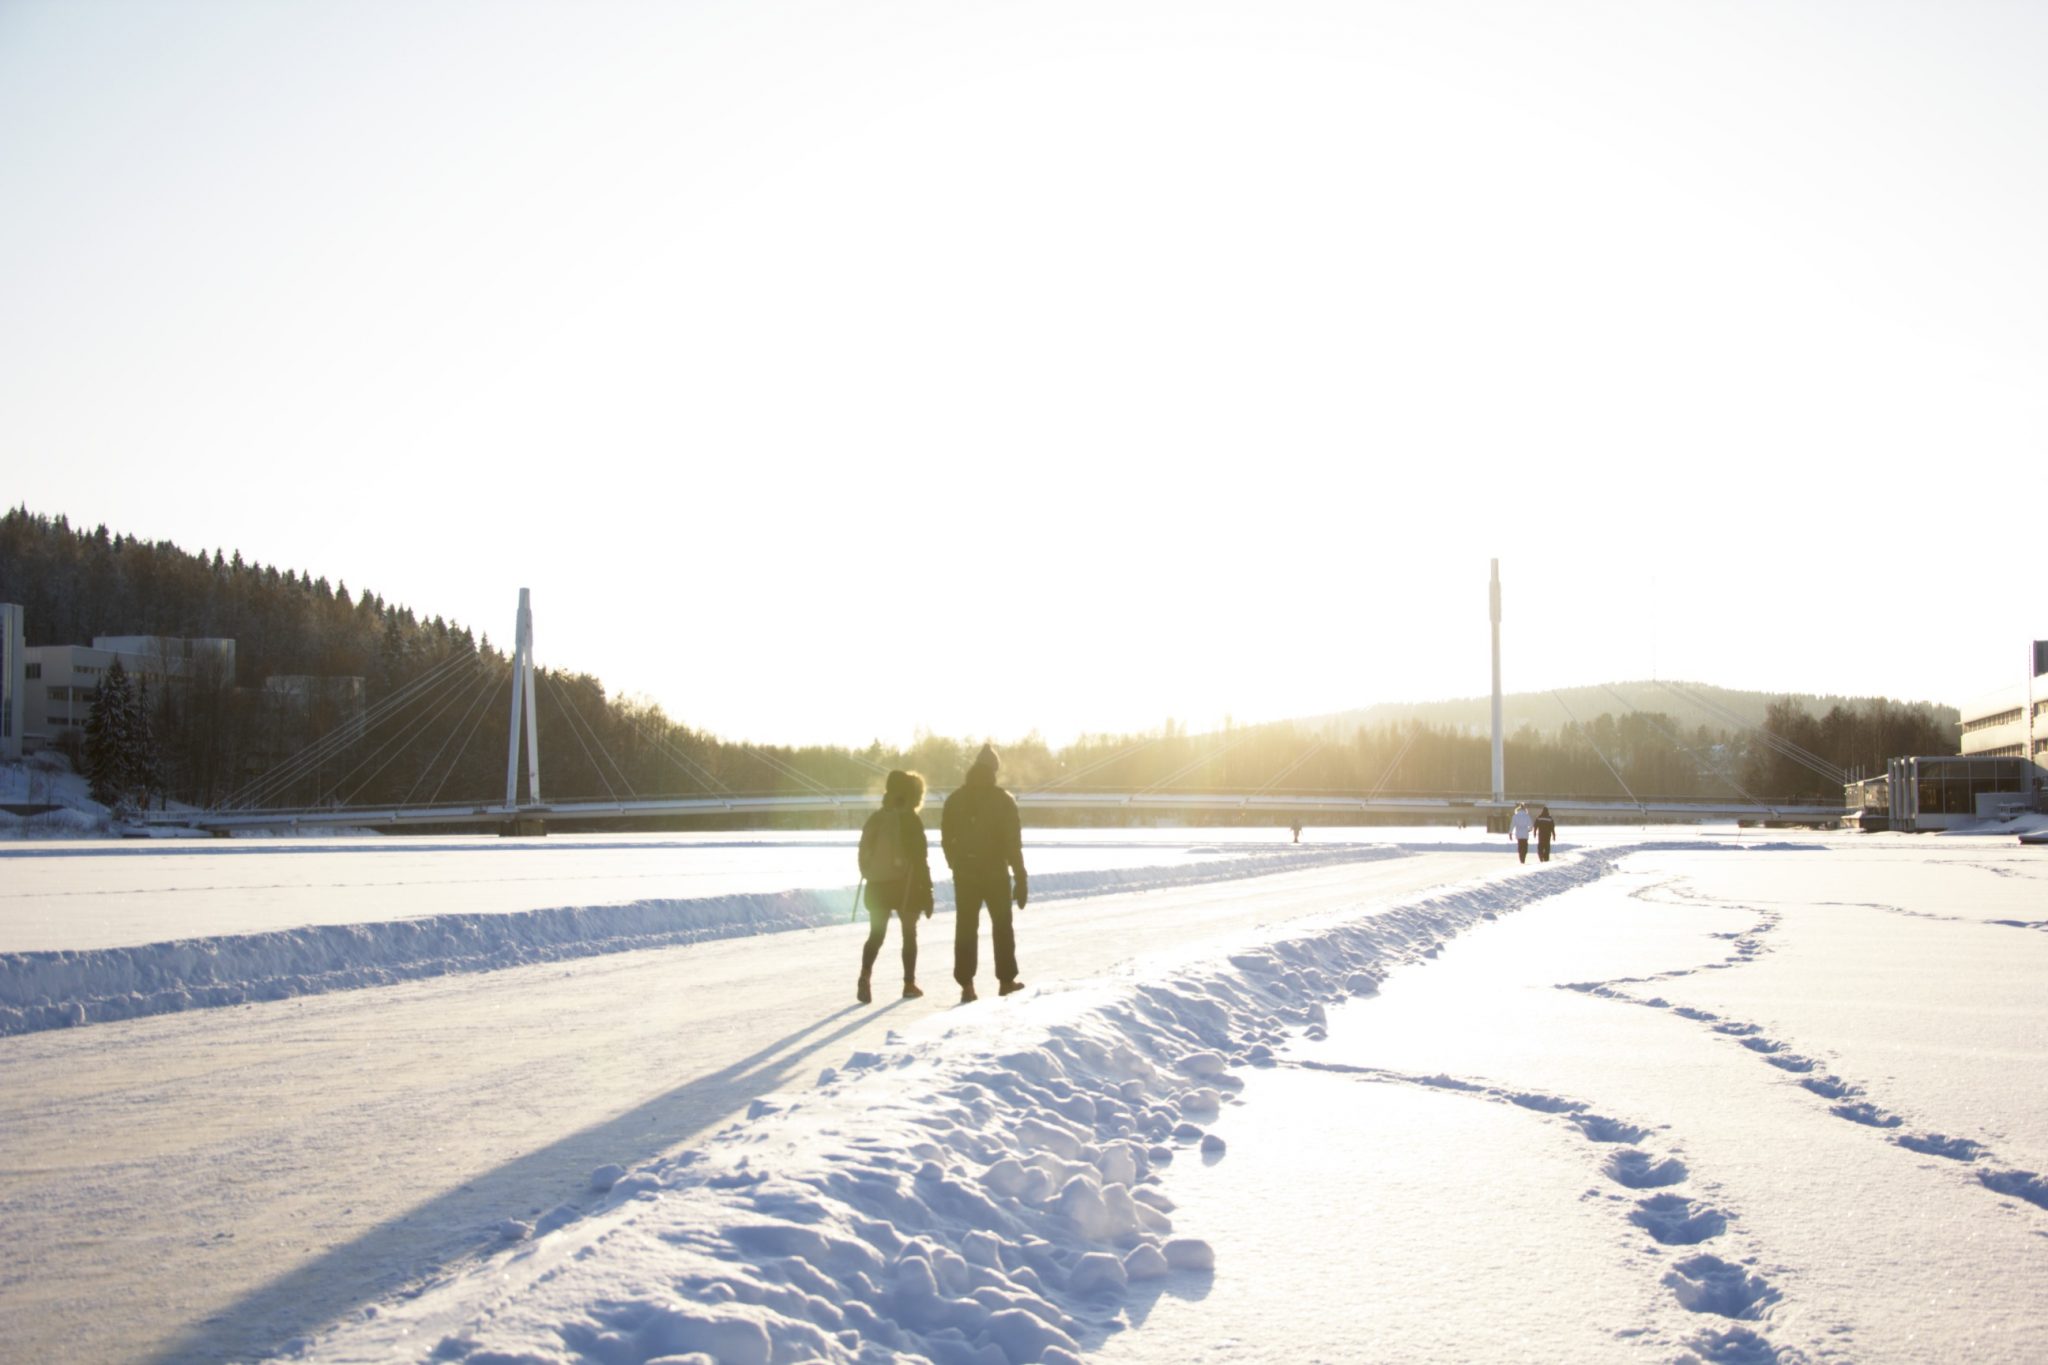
[
  {"x": 60, "y": 989},
  {"x": 1845, "y": 1098},
  {"x": 1677, "y": 1221},
  {"x": 997, "y": 1207}
]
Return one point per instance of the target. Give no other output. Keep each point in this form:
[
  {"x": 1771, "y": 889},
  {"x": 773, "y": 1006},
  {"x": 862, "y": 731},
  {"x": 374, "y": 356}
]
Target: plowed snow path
[{"x": 204, "y": 1186}]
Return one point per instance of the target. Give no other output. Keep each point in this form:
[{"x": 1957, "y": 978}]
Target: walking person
[
  {"x": 895, "y": 857},
  {"x": 1546, "y": 830},
  {"x": 1520, "y": 828},
  {"x": 983, "y": 841}
]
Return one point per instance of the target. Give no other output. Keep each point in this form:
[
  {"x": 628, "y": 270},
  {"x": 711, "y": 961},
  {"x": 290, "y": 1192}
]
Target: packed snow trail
[
  {"x": 210, "y": 1184},
  {"x": 66, "y": 987},
  {"x": 982, "y": 1193}
]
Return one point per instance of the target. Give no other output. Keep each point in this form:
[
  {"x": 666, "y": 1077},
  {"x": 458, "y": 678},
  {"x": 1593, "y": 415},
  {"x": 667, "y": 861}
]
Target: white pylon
[{"x": 522, "y": 690}]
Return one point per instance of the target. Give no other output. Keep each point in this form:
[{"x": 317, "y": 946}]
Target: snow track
[
  {"x": 988, "y": 1204},
  {"x": 57, "y": 989}
]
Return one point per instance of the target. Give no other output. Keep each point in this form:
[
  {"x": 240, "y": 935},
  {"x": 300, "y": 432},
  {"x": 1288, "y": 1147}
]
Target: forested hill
[
  {"x": 74, "y": 584},
  {"x": 415, "y": 714},
  {"x": 1689, "y": 704}
]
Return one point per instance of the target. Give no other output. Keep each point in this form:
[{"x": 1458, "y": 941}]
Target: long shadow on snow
[{"x": 460, "y": 1222}]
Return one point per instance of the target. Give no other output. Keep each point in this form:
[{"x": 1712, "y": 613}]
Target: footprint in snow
[
  {"x": 1708, "y": 1284},
  {"x": 1675, "y": 1220},
  {"x": 1640, "y": 1171}
]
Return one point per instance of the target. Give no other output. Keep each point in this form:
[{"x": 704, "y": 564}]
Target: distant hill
[{"x": 1690, "y": 704}]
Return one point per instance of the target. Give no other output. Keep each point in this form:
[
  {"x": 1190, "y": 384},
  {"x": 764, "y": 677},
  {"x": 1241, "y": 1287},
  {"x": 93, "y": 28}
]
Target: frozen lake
[{"x": 76, "y": 894}]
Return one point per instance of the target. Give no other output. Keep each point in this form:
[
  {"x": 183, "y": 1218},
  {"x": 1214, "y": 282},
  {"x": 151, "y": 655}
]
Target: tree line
[{"x": 343, "y": 697}]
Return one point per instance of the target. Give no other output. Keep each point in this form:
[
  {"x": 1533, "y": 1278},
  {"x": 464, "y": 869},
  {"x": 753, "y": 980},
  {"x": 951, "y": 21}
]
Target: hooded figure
[
  {"x": 895, "y": 857},
  {"x": 1520, "y": 828},
  {"x": 983, "y": 841}
]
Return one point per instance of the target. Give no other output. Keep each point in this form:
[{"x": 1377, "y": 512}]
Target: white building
[
  {"x": 2012, "y": 722},
  {"x": 59, "y": 680},
  {"x": 13, "y": 682},
  {"x": 2003, "y": 766}
]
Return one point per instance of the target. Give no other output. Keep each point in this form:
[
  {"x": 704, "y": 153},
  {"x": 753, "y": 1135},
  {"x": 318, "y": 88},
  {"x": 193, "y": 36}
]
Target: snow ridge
[
  {"x": 968, "y": 1200},
  {"x": 56, "y": 989}
]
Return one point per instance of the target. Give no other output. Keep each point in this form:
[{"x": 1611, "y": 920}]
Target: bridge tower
[
  {"x": 1499, "y": 769},
  {"x": 522, "y": 700}
]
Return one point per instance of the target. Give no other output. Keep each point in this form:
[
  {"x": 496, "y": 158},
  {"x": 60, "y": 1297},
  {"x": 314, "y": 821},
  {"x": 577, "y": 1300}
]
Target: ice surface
[
  {"x": 56, "y": 988},
  {"x": 1584, "y": 1111}
]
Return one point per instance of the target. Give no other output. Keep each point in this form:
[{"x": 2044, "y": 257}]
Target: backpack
[{"x": 883, "y": 858}]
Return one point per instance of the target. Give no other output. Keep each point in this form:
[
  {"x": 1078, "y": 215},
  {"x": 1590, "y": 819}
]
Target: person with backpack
[
  {"x": 895, "y": 857},
  {"x": 983, "y": 839}
]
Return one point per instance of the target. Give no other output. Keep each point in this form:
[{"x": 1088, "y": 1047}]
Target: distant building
[
  {"x": 13, "y": 683},
  {"x": 2003, "y": 766},
  {"x": 59, "y": 680},
  {"x": 169, "y": 657},
  {"x": 2012, "y": 722}
]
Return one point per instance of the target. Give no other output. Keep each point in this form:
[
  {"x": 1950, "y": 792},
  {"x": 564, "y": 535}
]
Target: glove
[{"x": 1023, "y": 890}]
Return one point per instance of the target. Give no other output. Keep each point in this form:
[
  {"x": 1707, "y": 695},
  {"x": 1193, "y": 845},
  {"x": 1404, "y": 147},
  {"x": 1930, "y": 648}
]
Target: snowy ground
[{"x": 1735, "y": 1096}]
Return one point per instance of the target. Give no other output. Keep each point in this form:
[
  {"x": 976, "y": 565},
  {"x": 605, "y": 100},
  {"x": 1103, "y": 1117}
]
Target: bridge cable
[
  {"x": 480, "y": 692},
  {"x": 1306, "y": 754},
  {"x": 1587, "y": 735},
  {"x": 788, "y": 770},
  {"x": 553, "y": 690},
  {"x": 1100, "y": 763},
  {"x": 1386, "y": 774},
  {"x": 397, "y": 745},
  {"x": 1196, "y": 762},
  {"x": 1719, "y": 770},
  {"x": 1804, "y": 757},
  {"x": 674, "y": 751},
  {"x": 431, "y": 709},
  {"x": 590, "y": 730},
  {"x": 266, "y": 788},
  {"x": 265, "y": 785},
  {"x": 483, "y": 714}
]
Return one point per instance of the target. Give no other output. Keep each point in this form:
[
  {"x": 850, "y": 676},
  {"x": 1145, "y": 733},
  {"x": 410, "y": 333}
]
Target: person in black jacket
[
  {"x": 984, "y": 843},
  {"x": 1546, "y": 830},
  {"x": 895, "y": 857}
]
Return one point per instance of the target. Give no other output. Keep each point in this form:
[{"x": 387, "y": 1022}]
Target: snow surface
[
  {"x": 1676, "y": 1096},
  {"x": 57, "y": 988}
]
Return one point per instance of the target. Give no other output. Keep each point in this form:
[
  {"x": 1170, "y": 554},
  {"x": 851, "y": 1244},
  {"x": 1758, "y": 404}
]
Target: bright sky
[{"x": 828, "y": 370}]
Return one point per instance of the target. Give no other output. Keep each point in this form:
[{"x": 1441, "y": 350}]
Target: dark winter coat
[
  {"x": 979, "y": 828},
  {"x": 912, "y": 890}
]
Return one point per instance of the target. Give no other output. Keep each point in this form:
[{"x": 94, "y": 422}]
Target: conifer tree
[{"x": 110, "y": 737}]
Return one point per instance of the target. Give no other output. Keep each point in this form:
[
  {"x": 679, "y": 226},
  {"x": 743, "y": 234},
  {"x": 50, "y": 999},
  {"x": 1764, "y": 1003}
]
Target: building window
[
  {"x": 2002, "y": 718},
  {"x": 60, "y": 694},
  {"x": 32, "y": 671}
]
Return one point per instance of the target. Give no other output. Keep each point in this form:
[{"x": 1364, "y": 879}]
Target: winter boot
[
  {"x": 967, "y": 995},
  {"x": 1011, "y": 987},
  {"x": 862, "y": 993},
  {"x": 911, "y": 992}
]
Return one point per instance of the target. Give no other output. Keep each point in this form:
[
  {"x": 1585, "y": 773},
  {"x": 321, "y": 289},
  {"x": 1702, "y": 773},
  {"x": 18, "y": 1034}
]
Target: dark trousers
[
  {"x": 1542, "y": 846},
  {"x": 973, "y": 889},
  {"x": 1522, "y": 850},
  {"x": 878, "y": 928}
]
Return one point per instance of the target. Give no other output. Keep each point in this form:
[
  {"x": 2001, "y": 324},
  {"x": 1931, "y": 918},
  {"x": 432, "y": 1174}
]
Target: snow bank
[
  {"x": 985, "y": 1197},
  {"x": 55, "y": 989}
]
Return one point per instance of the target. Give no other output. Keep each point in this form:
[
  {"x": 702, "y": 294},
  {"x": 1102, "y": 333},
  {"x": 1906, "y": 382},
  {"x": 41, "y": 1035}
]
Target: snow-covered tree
[{"x": 110, "y": 737}]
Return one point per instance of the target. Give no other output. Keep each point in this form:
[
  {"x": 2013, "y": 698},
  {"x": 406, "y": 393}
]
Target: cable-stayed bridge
[{"x": 354, "y": 774}]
